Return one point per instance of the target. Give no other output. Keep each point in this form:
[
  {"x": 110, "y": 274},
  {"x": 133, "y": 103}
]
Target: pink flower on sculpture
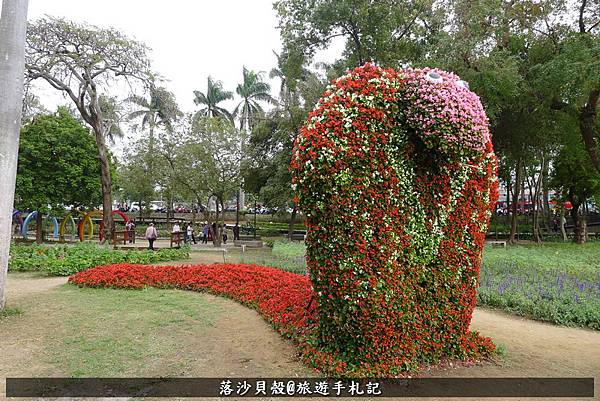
[{"x": 443, "y": 111}]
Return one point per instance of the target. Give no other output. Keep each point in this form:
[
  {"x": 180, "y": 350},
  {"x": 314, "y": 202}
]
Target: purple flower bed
[{"x": 544, "y": 294}]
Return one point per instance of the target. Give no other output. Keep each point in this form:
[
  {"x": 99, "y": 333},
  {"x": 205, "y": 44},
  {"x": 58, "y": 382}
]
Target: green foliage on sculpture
[{"x": 396, "y": 174}]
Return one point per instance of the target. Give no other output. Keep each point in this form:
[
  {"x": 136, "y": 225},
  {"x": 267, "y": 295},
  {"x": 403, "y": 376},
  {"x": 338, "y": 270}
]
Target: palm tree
[
  {"x": 13, "y": 24},
  {"x": 210, "y": 100},
  {"x": 252, "y": 91},
  {"x": 277, "y": 72},
  {"x": 160, "y": 109},
  {"x": 111, "y": 117}
]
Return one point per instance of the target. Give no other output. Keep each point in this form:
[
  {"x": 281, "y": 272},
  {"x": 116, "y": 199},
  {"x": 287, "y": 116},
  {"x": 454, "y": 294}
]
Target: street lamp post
[
  {"x": 254, "y": 218},
  {"x": 237, "y": 208}
]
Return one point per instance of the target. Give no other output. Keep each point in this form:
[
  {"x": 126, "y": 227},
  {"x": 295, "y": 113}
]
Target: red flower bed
[{"x": 282, "y": 298}]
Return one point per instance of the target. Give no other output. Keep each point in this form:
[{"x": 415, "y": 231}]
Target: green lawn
[
  {"x": 569, "y": 258},
  {"x": 111, "y": 332},
  {"x": 285, "y": 255}
]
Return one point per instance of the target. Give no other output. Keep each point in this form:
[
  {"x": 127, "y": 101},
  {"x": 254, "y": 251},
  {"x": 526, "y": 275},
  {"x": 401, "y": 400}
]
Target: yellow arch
[
  {"x": 61, "y": 230},
  {"x": 87, "y": 221}
]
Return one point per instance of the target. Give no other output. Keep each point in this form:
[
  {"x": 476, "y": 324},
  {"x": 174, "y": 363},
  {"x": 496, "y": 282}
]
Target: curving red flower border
[{"x": 283, "y": 299}]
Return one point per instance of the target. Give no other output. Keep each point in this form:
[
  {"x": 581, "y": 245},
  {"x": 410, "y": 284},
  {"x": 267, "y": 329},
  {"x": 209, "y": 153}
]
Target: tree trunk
[
  {"x": 216, "y": 233},
  {"x": 579, "y": 226},
  {"x": 39, "y": 236},
  {"x": 545, "y": 194},
  {"x": 237, "y": 208},
  {"x": 292, "y": 223},
  {"x": 587, "y": 126},
  {"x": 508, "y": 190},
  {"x": 537, "y": 236},
  {"x": 562, "y": 224},
  {"x": 13, "y": 25},
  {"x": 151, "y": 151},
  {"x": 107, "y": 218},
  {"x": 514, "y": 208}
]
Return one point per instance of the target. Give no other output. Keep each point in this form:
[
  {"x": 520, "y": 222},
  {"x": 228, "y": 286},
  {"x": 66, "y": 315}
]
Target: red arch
[{"x": 120, "y": 213}]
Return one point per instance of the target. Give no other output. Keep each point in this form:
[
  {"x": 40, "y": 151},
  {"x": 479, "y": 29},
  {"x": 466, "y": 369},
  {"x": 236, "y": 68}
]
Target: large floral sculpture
[{"x": 396, "y": 174}]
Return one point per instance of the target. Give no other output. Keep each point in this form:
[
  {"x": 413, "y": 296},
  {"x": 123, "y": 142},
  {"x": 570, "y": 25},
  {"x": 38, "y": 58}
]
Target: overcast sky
[{"x": 189, "y": 39}]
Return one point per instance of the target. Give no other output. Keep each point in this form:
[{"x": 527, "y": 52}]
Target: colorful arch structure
[
  {"x": 87, "y": 221},
  {"x": 17, "y": 217},
  {"x": 33, "y": 215},
  {"x": 66, "y": 220}
]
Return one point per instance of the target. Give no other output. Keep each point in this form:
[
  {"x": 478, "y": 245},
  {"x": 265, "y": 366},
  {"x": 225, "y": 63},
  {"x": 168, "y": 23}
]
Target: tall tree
[
  {"x": 388, "y": 32},
  {"x": 577, "y": 181},
  {"x": 160, "y": 109},
  {"x": 253, "y": 90},
  {"x": 112, "y": 111},
  {"x": 205, "y": 160},
  {"x": 58, "y": 166},
  {"x": 588, "y": 40},
  {"x": 209, "y": 101},
  {"x": 137, "y": 181},
  {"x": 83, "y": 62},
  {"x": 13, "y": 25},
  {"x": 266, "y": 170}
]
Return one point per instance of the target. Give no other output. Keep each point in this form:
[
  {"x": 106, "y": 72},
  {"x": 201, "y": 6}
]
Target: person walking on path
[
  {"x": 205, "y": 232},
  {"x": 130, "y": 227},
  {"x": 224, "y": 233},
  {"x": 190, "y": 233},
  {"x": 236, "y": 232},
  {"x": 151, "y": 235},
  {"x": 176, "y": 235}
]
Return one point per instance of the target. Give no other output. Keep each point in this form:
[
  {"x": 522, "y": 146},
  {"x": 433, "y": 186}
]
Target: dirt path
[
  {"x": 24, "y": 285},
  {"x": 552, "y": 350},
  {"x": 240, "y": 343},
  {"x": 228, "y": 340},
  {"x": 534, "y": 349}
]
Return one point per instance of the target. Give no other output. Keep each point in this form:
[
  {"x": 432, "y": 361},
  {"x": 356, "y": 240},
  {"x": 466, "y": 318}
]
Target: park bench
[
  {"x": 248, "y": 244},
  {"x": 496, "y": 243},
  {"x": 298, "y": 237},
  {"x": 123, "y": 235},
  {"x": 249, "y": 237}
]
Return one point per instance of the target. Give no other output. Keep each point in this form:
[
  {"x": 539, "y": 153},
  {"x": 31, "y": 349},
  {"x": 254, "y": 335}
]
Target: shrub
[
  {"x": 395, "y": 173},
  {"x": 65, "y": 260}
]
